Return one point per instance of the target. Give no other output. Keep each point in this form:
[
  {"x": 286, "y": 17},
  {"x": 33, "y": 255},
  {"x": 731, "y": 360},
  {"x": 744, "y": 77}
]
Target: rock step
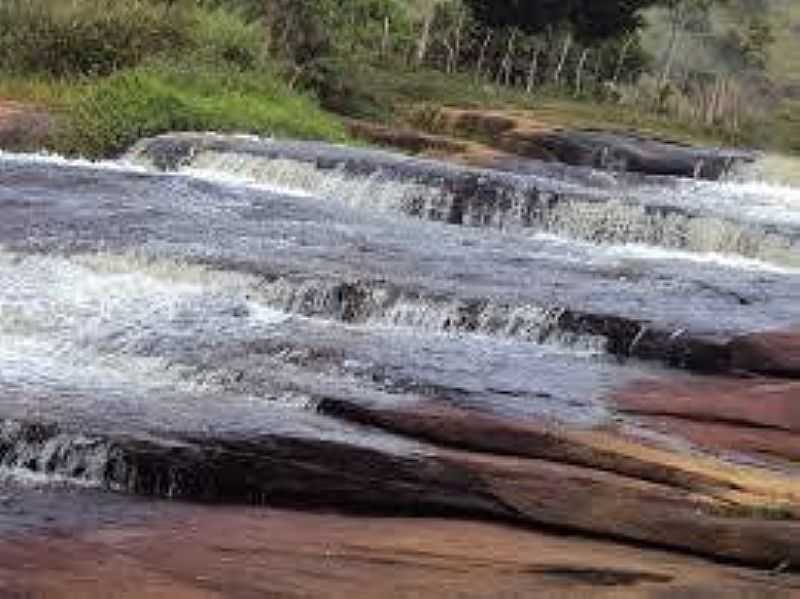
[
  {"x": 362, "y": 301},
  {"x": 574, "y": 203},
  {"x": 309, "y": 473},
  {"x": 469, "y": 430},
  {"x": 665, "y": 307}
]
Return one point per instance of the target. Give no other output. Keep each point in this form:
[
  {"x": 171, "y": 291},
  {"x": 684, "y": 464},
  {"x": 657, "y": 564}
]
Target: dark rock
[
  {"x": 482, "y": 433},
  {"x": 632, "y": 153},
  {"x": 521, "y": 134}
]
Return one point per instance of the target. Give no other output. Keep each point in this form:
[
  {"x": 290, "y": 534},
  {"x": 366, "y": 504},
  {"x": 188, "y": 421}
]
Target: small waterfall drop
[
  {"x": 43, "y": 451},
  {"x": 742, "y": 219}
]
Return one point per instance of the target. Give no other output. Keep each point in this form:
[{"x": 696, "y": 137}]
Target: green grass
[
  {"x": 87, "y": 37},
  {"x": 783, "y": 132},
  {"x": 104, "y": 117},
  {"x": 101, "y": 117},
  {"x": 112, "y": 72},
  {"x": 34, "y": 90},
  {"x": 785, "y": 55}
]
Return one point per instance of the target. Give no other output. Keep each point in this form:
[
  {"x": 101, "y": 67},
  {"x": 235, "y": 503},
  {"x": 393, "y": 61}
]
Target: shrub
[
  {"x": 112, "y": 113},
  {"x": 85, "y": 37},
  {"x": 225, "y": 36}
]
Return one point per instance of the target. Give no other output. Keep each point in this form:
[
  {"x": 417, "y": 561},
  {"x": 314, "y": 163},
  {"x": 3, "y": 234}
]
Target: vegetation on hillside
[
  {"x": 708, "y": 71},
  {"x": 115, "y": 71}
]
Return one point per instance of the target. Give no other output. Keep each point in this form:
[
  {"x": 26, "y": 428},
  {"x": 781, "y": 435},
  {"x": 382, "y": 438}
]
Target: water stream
[{"x": 210, "y": 287}]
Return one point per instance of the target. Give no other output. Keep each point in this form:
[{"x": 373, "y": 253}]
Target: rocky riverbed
[{"x": 592, "y": 378}]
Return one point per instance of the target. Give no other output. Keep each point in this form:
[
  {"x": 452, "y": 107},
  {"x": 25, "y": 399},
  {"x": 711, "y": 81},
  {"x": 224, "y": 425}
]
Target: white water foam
[
  {"x": 57, "y": 459},
  {"x": 512, "y": 323},
  {"x": 72, "y": 323},
  {"x": 775, "y": 169},
  {"x": 617, "y": 222},
  {"x": 303, "y": 179},
  {"x": 752, "y": 201},
  {"x": 572, "y": 250},
  {"x": 28, "y": 479},
  {"x": 731, "y": 217},
  {"x": 47, "y": 158}
]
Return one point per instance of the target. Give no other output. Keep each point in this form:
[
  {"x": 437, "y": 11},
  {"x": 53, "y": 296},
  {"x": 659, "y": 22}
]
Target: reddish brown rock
[
  {"x": 750, "y": 403},
  {"x": 483, "y": 433},
  {"x": 758, "y": 442},
  {"x": 755, "y": 417},
  {"x": 602, "y": 490},
  {"x": 776, "y": 354},
  {"x": 562, "y": 480},
  {"x": 214, "y": 553},
  {"x": 602, "y": 504},
  {"x": 461, "y": 151}
]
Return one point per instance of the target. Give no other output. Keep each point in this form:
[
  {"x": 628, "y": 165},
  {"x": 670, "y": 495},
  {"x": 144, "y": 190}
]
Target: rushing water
[
  {"x": 749, "y": 218},
  {"x": 232, "y": 293}
]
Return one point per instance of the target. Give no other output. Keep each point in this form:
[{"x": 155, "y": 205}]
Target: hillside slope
[{"x": 785, "y": 57}]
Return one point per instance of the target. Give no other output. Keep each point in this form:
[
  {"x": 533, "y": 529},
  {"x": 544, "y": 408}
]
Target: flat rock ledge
[
  {"x": 595, "y": 484},
  {"x": 200, "y": 552}
]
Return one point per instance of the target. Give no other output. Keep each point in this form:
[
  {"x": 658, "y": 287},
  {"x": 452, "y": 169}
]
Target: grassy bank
[
  {"x": 112, "y": 72},
  {"x": 106, "y": 116}
]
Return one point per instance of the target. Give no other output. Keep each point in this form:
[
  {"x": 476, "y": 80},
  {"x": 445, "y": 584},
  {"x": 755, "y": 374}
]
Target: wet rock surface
[
  {"x": 563, "y": 484},
  {"x": 576, "y": 202},
  {"x": 360, "y": 332}
]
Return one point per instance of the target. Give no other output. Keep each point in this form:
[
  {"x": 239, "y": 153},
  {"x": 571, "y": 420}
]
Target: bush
[
  {"x": 98, "y": 37},
  {"x": 113, "y": 72},
  {"x": 113, "y": 113},
  {"x": 225, "y": 36},
  {"x": 85, "y": 37}
]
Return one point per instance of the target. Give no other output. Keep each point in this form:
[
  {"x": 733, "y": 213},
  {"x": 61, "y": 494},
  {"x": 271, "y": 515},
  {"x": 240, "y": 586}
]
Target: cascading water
[
  {"x": 754, "y": 220},
  {"x": 775, "y": 171},
  {"x": 155, "y": 327},
  {"x": 50, "y": 454}
]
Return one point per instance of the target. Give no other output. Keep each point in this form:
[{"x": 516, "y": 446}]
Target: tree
[
  {"x": 590, "y": 21},
  {"x": 684, "y": 15}
]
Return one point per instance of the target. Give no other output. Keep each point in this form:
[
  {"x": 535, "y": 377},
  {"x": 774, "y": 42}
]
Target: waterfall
[
  {"x": 147, "y": 317},
  {"x": 47, "y": 452},
  {"x": 692, "y": 216}
]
